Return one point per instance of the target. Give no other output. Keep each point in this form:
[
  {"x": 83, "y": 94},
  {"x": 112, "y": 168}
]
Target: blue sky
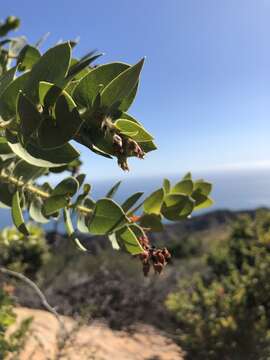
[{"x": 205, "y": 87}]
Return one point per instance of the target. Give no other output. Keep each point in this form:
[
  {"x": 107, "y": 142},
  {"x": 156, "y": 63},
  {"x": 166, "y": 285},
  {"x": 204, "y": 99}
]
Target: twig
[
  {"x": 33, "y": 189},
  {"x": 40, "y": 294}
]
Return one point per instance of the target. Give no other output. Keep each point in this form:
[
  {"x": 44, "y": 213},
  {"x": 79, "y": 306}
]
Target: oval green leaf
[
  {"x": 153, "y": 203},
  {"x": 121, "y": 87},
  {"x": 107, "y": 217}
]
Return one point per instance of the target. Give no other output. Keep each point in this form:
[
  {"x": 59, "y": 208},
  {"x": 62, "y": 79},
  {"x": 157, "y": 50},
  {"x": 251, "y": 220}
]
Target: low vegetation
[{"x": 224, "y": 312}]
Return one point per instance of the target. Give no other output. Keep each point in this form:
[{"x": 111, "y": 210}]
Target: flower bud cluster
[
  {"x": 157, "y": 258},
  {"x": 123, "y": 146}
]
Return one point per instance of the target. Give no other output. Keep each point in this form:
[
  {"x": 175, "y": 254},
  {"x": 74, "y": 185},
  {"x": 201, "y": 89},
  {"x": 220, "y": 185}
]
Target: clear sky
[{"x": 205, "y": 87}]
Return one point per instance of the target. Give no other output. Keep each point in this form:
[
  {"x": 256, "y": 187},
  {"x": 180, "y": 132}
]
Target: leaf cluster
[{"x": 51, "y": 101}]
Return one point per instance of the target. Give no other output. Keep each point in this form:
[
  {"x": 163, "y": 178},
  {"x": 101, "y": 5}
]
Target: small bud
[
  {"x": 166, "y": 254},
  {"x": 134, "y": 147},
  {"x": 144, "y": 256},
  {"x": 144, "y": 241},
  {"x": 158, "y": 267},
  {"x": 146, "y": 268},
  {"x": 117, "y": 140},
  {"x": 161, "y": 257},
  {"x": 122, "y": 162}
]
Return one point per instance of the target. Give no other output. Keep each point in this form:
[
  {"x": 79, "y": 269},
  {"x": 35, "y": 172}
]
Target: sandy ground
[{"x": 96, "y": 342}]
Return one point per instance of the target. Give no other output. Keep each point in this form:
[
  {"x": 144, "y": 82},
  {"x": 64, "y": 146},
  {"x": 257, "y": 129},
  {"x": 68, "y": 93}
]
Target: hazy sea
[{"x": 232, "y": 189}]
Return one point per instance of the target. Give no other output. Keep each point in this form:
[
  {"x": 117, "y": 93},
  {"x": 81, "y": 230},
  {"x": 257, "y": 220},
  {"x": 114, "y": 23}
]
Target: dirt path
[{"x": 96, "y": 342}]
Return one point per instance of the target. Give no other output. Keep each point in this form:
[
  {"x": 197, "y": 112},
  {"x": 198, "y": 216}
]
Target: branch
[
  {"x": 36, "y": 190},
  {"x": 40, "y": 294}
]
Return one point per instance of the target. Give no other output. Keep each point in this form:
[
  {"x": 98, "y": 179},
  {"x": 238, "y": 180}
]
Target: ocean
[{"x": 232, "y": 189}]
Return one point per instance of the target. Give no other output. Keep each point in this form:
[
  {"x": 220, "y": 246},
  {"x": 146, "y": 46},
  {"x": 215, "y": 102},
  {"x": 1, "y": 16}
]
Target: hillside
[
  {"x": 109, "y": 285},
  {"x": 107, "y": 293}
]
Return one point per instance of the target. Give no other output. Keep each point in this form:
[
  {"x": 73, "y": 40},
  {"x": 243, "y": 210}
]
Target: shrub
[
  {"x": 25, "y": 255},
  {"x": 21, "y": 253},
  {"x": 225, "y": 313},
  {"x": 13, "y": 342}
]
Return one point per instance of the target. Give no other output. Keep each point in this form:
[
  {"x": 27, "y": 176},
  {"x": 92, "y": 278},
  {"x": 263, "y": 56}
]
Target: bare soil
[{"x": 96, "y": 341}]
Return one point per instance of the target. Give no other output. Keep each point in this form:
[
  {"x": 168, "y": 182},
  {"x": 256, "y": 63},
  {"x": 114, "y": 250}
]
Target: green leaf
[
  {"x": 183, "y": 187},
  {"x": 54, "y": 204},
  {"x": 148, "y": 146},
  {"x": 79, "y": 66},
  {"x": 177, "y": 206},
  {"x": 89, "y": 203},
  {"x": 120, "y": 87},
  {"x": 17, "y": 215},
  {"x": 129, "y": 127},
  {"x": 153, "y": 203},
  {"x": 4, "y": 147},
  {"x": 187, "y": 176},
  {"x": 113, "y": 190},
  {"x": 201, "y": 200},
  {"x": 28, "y": 116},
  {"x": 81, "y": 223},
  {"x": 80, "y": 74},
  {"x": 6, "y": 78},
  {"x": 48, "y": 93},
  {"x": 203, "y": 187},
  {"x": 43, "y": 158},
  {"x": 54, "y": 133},
  {"x": 47, "y": 187},
  {"x": 129, "y": 202},
  {"x": 8, "y": 99},
  {"x": 81, "y": 198},
  {"x": 80, "y": 178},
  {"x": 28, "y": 56},
  {"x": 203, "y": 205},
  {"x": 166, "y": 186},
  {"x": 35, "y": 211},
  {"x": 128, "y": 237},
  {"x": 70, "y": 230},
  {"x": 26, "y": 171},
  {"x": 82, "y": 219},
  {"x": 6, "y": 195},
  {"x": 71, "y": 86},
  {"x": 127, "y": 101},
  {"x": 108, "y": 216},
  {"x": 67, "y": 187},
  {"x": 113, "y": 239},
  {"x": 11, "y": 23},
  {"x": 89, "y": 87},
  {"x": 16, "y": 45},
  {"x": 51, "y": 67},
  {"x": 152, "y": 221}
]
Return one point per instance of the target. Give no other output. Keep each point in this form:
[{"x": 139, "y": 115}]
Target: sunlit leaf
[
  {"x": 70, "y": 230},
  {"x": 131, "y": 201},
  {"x": 67, "y": 187},
  {"x": 51, "y": 67},
  {"x": 121, "y": 86},
  {"x": 153, "y": 203},
  {"x": 113, "y": 190},
  {"x": 107, "y": 217},
  {"x": 35, "y": 211},
  {"x": 17, "y": 215},
  {"x": 28, "y": 56}
]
